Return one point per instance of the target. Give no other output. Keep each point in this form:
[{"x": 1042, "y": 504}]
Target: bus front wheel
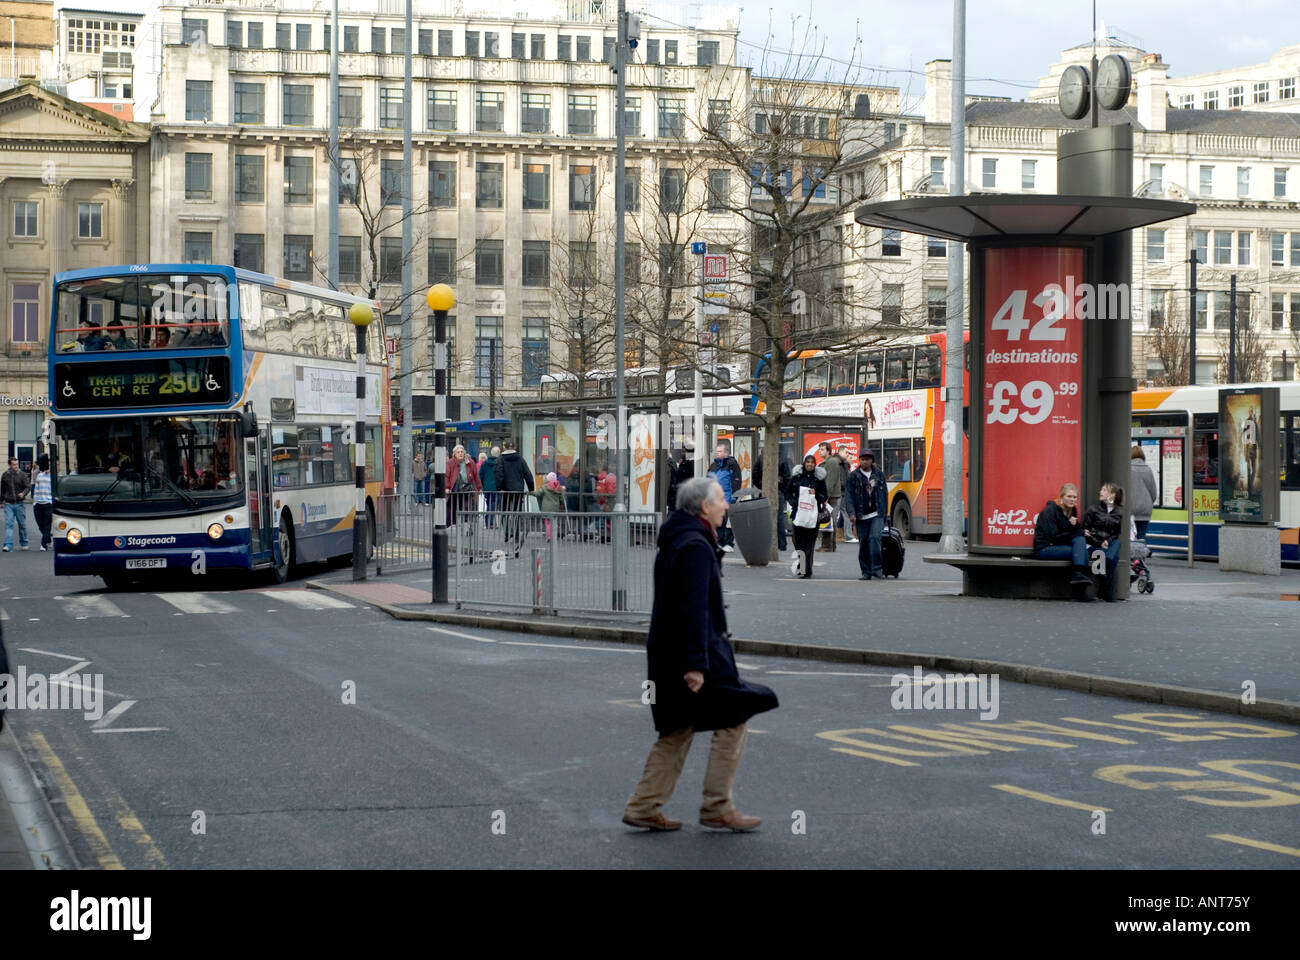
[
  {"x": 902, "y": 519},
  {"x": 284, "y": 549}
]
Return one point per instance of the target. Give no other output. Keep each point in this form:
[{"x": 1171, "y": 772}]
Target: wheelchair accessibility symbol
[
  {"x": 67, "y": 389},
  {"x": 212, "y": 383}
]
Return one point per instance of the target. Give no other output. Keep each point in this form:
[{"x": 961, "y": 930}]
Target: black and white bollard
[
  {"x": 360, "y": 314},
  {"x": 440, "y": 299}
]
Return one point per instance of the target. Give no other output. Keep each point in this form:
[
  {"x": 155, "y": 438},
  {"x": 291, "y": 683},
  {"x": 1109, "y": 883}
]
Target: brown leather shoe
[
  {"x": 735, "y": 821},
  {"x": 657, "y": 822}
]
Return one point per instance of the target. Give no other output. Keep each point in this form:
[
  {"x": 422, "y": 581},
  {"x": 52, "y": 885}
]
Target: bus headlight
[
  {"x": 74, "y": 536},
  {"x": 215, "y": 531}
]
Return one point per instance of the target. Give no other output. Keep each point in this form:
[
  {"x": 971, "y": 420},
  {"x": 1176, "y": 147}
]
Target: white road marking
[
  {"x": 825, "y": 673},
  {"x": 130, "y": 730},
  {"x": 309, "y": 599},
  {"x": 463, "y": 636},
  {"x": 47, "y": 653},
  {"x": 4, "y": 614},
  {"x": 108, "y": 718},
  {"x": 530, "y": 643},
  {"x": 197, "y": 602},
  {"x": 63, "y": 674},
  {"x": 86, "y": 607}
]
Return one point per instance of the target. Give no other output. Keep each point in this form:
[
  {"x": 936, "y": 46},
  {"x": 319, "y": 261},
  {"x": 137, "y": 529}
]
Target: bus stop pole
[
  {"x": 951, "y": 514},
  {"x": 361, "y": 314},
  {"x": 440, "y": 299}
]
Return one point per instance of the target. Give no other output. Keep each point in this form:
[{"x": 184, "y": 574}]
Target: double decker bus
[
  {"x": 201, "y": 420},
  {"x": 1198, "y": 408},
  {"x": 896, "y": 390}
]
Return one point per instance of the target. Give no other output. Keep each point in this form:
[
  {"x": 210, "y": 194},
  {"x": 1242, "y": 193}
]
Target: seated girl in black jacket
[{"x": 1103, "y": 525}]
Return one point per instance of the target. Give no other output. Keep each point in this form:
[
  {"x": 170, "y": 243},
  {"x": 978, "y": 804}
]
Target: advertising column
[{"x": 1032, "y": 388}]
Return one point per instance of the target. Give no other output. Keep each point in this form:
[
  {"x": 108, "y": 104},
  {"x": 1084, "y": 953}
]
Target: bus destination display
[{"x": 189, "y": 381}]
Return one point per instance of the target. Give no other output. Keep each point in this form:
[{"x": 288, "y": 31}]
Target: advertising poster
[
  {"x": 1171, "y": 474},
  {"x": 1032, "y": 389},
  {"x": 811, "y": 440},
  {"x": 1241, "y": 487},
  {"x": 742, "y": 450},
  {"x": 641, "y": 442}
]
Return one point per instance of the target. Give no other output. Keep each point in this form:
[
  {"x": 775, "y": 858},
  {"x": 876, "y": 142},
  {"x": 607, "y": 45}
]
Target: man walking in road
[
  {"x": 834, "y": 468},
  {"x": 513, "y": 478},
  {"x": 13, "y": 490},
  {"x": 871, "y": 500},
  {"x": 694, "y": 684},
  {"x": 43, "y": 500}
]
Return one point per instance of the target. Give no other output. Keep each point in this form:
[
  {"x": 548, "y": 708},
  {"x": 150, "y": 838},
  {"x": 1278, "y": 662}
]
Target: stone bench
[{"x": 1024, "y": 577}]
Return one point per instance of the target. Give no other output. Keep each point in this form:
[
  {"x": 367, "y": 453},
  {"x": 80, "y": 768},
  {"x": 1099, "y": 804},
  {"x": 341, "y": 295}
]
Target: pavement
[{"x": 1204, "y": 638}]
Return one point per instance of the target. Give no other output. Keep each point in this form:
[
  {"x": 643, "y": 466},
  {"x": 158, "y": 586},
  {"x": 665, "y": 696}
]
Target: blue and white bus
[{"x": 201, "y": 418}]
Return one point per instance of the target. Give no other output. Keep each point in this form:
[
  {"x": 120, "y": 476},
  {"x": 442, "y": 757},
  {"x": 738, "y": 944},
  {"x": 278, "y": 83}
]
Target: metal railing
[{"x": 552, "y": 562}]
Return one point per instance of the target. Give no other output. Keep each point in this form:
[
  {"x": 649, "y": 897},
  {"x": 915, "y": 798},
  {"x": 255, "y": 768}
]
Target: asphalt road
[{"x": 287, "y": 728}]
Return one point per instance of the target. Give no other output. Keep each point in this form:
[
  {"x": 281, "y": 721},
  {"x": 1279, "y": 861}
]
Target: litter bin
[{"x": 751, "y": 524}]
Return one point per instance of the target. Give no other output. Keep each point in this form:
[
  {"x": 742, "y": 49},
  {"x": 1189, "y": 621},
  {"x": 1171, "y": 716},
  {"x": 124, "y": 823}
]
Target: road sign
[
  {"x": 715, "y": 284},
  {"x": 698, "y": 246}
]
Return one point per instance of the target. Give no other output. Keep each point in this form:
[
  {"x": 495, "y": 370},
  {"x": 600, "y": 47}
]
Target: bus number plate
[{"x": 147, "y": 563}]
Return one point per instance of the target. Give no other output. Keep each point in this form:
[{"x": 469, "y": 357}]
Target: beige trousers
[{"x": 664, "y": 765}]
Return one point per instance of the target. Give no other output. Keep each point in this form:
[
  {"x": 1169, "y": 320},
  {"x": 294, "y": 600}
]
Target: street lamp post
[
  {"x": 440, "y": 299},
  {"x": 361, "y": 314}
]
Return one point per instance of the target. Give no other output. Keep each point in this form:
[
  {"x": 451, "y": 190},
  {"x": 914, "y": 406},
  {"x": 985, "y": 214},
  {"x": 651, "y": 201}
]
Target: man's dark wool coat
[{"x": 688, "y": 631}]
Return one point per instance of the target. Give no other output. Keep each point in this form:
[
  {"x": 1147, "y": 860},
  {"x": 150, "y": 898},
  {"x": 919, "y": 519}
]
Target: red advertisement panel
[
  {"x": 1033, "y": 383},
  {"x": 836, "y": 440}
]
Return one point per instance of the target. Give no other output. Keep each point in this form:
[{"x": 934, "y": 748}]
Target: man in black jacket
[
  {"x": 680, "y": 472},
  {"x": 694, "y": 683},
  {"x": 13, "y": 490},
  {"x": 513, "y": 478},
  {"x": 870, "y": 496}
]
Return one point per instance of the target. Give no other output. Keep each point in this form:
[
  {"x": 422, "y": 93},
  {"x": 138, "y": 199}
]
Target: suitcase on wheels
[{"x": 892, "y": 552}]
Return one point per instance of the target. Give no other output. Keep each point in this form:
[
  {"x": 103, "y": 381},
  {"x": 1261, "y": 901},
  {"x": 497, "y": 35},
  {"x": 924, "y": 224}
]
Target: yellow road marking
[
  {"x": 875, "y": 756},
  {"x": 1258, "y": 844},
  {"x": 77, "y": 806},
  {"x": 130, "y": 825},
  {"x": 1047, "y": 798}
]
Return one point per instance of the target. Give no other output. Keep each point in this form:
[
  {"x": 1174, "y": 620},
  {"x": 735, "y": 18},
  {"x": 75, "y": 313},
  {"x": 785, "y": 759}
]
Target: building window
[
  {"x": 297, "y": 104},
  {"x": 1278, "y": 312},
  {"x": 720, "y": 118},
  {"x": 302, "y": 36},
  {"x": 1210, "y": 100},
  {"x": 719, "y": 190},
  {"x": 1156, "y": 308},
  {"x": 582, "y": 115},
  {"x": 1279, "y": 183},
  {"x": 990, "y": 174},
  {"x": 517, "y": 41},
  {"x": 489, "y": 112},
  {"x": 536, "y": 265},
  {"x": 1027, "y": 175},
  {"x": 670, "y": 51},
  {"x": 90, "y": 221},
  {"x": 250, "y": 251},
  {"x": 891, "y": 243},
  {"x": 442, "y": 260},
  {"x": 936, "y": 172},
  {"x": 489, "y": 270},
  {"x": 1207, "y": 181},
  {"x": 564, "y": 47},
  {"x": 537, "y": 186},
  {"x": 198, "y": 176},
  {"x": 282, "y": 36},
  {"x": 234, "y": 33},
  {"x": 1243, "y": 181},
  {"x": 349, "y": 259},
  {"x": 936, "y": 247},
  {"x": 1236, "y": 97},
  {"x": 672, "y": 117},
  {"x": 490, "y": 192},
  {"x": 392, "y": 108},
  {"x": 349, "y": 107},
  {"x": 378, "y": 40},
  {"x": 351, "y": 39},
  {"x": 537, "y": 46},
  {"x": 491, "y": 44},
  {"x": 1222, "y": 247},
  {"x": 250, "y": 103},
  {"x": 390, "y": 259},
  {"x": 442, "y": 109},
  {"x": 1295, "y": 249},
  {"x": 672, "y": 264},
  {"x": 349, "y": 181},
  {"x": 584, "y": 48},
  {"x": 1261, "y": 92},
  {"x": 1286, "y": 88},
  {"x": 1202, "y": 321},
  {"x": 632, "y": 189},
  {"x": 536, "y": 351},
  {"x": 631, "y": 116},
  {"x": 936, "y": 305},
  {"x": 1278, "y": 249},
  {"x": 1222, "y": 309},
  {"x": 1243, "y": 248},
  {"x": 25, "y": 218},
  {"x": 891, "y": 303},
  {"x": 424, "y": 42},
  {"x": 198, "y": 99},
  {"x": 631, "y": 263},
  {"x": 444, "y": 43},
  {"x": 297, "y": 257},
  {"x": 1157, "y": 178},
  {"x": 193, "y": 31},
  {"x": 582, "y": 186},
  {"x": 672, "y": 190},
  {"x": 706, "y": 53},
  {"x": 25, "y": 315},
  {"x": 1295, "y": 313},
  {"x": 487, "y": 352},
  {"x": 760, "y": 124},
  {"x": 442, "y": 183},
  {"x": 397, "y": 40},
  {"x": 255, "y": 36},
  {"x": 652, "y": 51},
  {"x": 1155, "y": 245},
  {"x": 390, "y": 183},
  {"x": 471, "y": 43},
  {"x": 197, "y": 248},
  {"x": 297, "y": 179},
  {"x": 537, "y": 113}
]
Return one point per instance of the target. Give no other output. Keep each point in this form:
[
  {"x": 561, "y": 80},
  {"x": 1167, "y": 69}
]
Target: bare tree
[
  {"x": 1170, "y": 342},
  {"x": 1251, "y": 352}
]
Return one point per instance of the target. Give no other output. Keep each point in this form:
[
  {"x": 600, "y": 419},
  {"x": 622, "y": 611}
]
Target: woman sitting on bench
[
  {"x": 1058, "y": 534},
  {"x": 1101, "y": 526}
]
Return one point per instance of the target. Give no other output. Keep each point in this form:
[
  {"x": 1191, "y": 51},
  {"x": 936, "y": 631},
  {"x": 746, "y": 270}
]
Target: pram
[{"x": 1139, "y": 575}]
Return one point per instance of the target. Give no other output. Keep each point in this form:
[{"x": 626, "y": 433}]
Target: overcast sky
[{"x": 1011, "y": 43}]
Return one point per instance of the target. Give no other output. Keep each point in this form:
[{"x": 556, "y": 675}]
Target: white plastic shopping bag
[{"x": 806, "y": 515}]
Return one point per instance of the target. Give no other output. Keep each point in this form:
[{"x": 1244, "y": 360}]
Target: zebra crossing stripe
[
  {"x": 197, "y": 602},
  {"x": 309, "y": 599},
  {"x": 90, "y": 606}
]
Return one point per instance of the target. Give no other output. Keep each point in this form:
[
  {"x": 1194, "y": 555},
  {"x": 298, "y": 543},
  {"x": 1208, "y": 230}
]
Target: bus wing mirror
[{"x": 248, "y": 421}]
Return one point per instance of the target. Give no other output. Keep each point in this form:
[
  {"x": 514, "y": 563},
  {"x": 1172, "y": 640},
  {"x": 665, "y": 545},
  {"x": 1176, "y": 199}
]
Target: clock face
[
  {"x": 1113, "y": 82},
  {"x": 1073, "y": 92}
]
